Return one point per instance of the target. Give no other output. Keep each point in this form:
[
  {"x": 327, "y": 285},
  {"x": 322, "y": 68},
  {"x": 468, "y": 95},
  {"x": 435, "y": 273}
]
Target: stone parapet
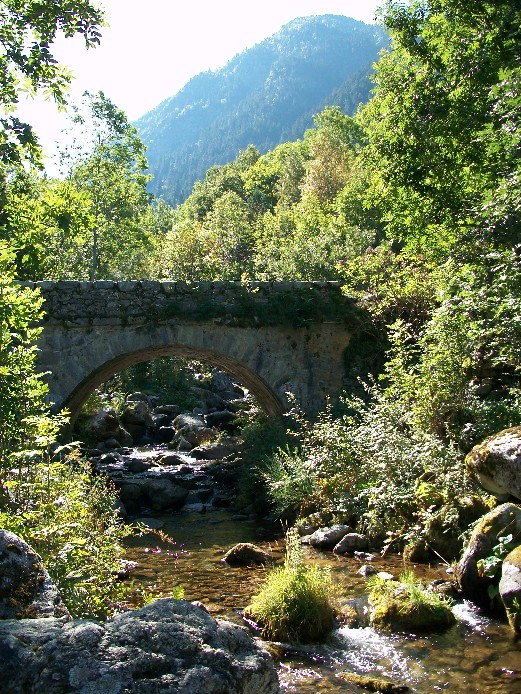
[{"x": 106, "y": 302}]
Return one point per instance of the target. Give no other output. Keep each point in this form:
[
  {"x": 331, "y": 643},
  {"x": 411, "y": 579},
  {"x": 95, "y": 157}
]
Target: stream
[{"x": 478, "y": 654}]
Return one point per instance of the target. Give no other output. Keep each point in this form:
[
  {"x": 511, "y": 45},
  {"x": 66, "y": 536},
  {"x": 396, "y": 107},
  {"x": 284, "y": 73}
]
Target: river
[{"x": 479, "y": 654}]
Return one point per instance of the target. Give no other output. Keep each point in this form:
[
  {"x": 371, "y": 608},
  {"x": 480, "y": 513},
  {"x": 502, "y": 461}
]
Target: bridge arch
[
  {"x": 267, "y": 399},
  {"x": 273, "y": 337}
]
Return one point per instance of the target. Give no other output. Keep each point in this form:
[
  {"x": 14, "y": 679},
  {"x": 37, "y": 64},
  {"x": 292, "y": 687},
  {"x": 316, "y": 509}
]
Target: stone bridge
[{"x": 273, "y": 337}]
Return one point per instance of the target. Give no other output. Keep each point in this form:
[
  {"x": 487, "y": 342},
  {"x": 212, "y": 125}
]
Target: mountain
[{"x": 265, "y": 95}]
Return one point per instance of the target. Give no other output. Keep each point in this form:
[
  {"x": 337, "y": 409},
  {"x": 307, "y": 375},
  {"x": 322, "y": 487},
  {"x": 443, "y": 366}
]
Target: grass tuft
[{"x": 295, "y": 603}]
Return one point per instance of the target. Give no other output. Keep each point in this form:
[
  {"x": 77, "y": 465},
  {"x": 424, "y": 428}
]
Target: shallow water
[{"x": 479, "y": 654}]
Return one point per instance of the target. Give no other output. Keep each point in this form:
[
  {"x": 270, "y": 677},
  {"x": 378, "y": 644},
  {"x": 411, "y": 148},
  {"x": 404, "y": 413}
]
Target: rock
[
  {"x": 26, "y": 589},
  {"x": 502, "y": 520},
  {"x": 188, "y": 421},
  {"x": 245, "y": 554},
  {"x": 397, "y": 606},
  {"x": 171, "y": 459},
  {"x": 223, "y": 419},
  {"x": 160, "y": 420},
  {"x": 325, "y": 538},
  {"x": 170, "y": 410},
  {"x": 206, "y": 397},
  {"x": 137, "y": 397},
  {"x": 510, "y": 587},
  {"x": 165, "y": 434},
  {"x": 131, "y": 495},
  {"x": 168, "y": 646},
  {"x": 137, "y": 412},
  {"x": 216, "y": 451},
  {"x": 367, "y": 570},
  {"x": 182, "y": 444},
  {"x": 496, "y": 463},
  {"x": 105, "y": 426},
  {"x": 305, "y": 528},
  {"x": 162, "y": 494},
  {"x": 121, "y": 510},
  {"x": 350, "y": 543},
  {"x": 137, "y": 465},
  {"x": 445, "y": 526},
  {"x": 373, "y": 684},
  {"x": 200, "y": 436}
]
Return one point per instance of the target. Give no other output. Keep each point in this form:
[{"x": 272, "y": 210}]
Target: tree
[
  {"x": 110, "y": 168},
  {"x": 48, "y": 223},
  {"x": 27, "y": 28},
  {"x": 22, "y": 391},
  {"x": 443, "y": 124}
]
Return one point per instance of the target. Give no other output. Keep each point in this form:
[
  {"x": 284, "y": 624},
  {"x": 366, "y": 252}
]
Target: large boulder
[
  {"x": 510, "y": 587},
  {"x": 502, "y": 520},
  {"x": 167, "y": 646},
  {"x": 496, "y": 463},
  {"x": 26, "y": 589},
  {"x": 104, "y": 425},
  {"x": 327, "y": 538},
  {"x": 350, "y": 543}
]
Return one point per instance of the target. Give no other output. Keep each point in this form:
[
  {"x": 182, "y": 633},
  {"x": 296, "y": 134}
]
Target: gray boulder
[
  {"x": 350, "y": 543},
  {"x": 502, "y": 520},
  {"x": 168, "y": 646},
  {"x": 105, "y": 426},
  {"x": 326, "y": 538},
  {"x": 216, "y": 451},
  {"x": 186, "y": 421},
  {"x": 496, "y": 463},
  {"x": 137, "y": 412},
  {"x": 26, "y": 589},
  {"x": 510, "y": 587},
  {"x": 162, "y": 494}
]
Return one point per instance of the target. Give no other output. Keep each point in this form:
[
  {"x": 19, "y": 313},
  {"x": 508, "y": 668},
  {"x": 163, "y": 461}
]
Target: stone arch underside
[{"x": 267, "y": 399}]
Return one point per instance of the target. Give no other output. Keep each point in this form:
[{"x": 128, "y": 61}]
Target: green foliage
[
  {"x": 22, "y": 391},
  {"x": 169, "y": 378},
  {"x": 261, "y": 436},
  {"x": 295, "y": 604},
  {"x": 442, "y": 125},
  {"x": 27, "y": 28},
  {"x": 110, "y": 168},
  {"x": 490, "y": 567},
  {"x": 364, "y": 464},
  {"x": 59, "y": 508},
  {"x": 472, "y": 337},
  {"x": 69, "y": 517}
]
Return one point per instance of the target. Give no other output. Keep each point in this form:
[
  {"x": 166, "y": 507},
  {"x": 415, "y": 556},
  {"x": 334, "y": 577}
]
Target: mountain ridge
[{"x": 263, "y": 96}]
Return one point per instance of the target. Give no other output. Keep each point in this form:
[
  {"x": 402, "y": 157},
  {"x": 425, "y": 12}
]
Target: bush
[
  {"x": 262, "y": 436},
  {"x": 366, "y": 465},
  {"x": 295, "y": 603},
  {"x": 69, "y": 517}
]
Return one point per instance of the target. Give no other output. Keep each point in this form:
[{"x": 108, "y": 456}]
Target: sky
[{"x": 151, "y": 49}]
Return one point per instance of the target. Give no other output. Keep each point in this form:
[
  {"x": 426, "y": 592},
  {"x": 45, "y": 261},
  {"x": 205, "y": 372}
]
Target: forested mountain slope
[{"x": 263, "y": 96}]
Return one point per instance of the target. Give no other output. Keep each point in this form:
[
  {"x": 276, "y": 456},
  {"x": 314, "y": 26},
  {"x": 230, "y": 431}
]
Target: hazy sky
[{"x": 151, "y": 49}]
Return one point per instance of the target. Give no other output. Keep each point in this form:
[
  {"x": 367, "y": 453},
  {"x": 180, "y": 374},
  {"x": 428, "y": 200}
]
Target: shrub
[
  {"x": 69, "y": 517},
  {"x": 295, "y": 603},
  {"x": 365, "y": 465}
]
